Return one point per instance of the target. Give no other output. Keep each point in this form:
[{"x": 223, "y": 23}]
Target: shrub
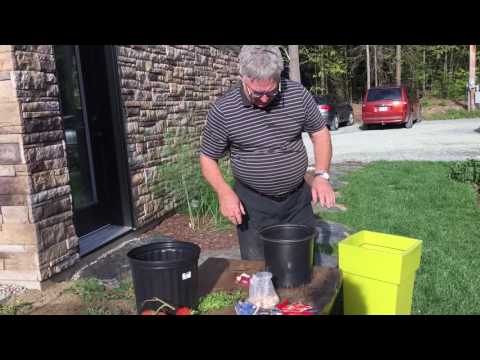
[
  {"x": 182, "y": 178},
  {"x": 425, "y": 102},
  {"x": 466, "y": 171}
]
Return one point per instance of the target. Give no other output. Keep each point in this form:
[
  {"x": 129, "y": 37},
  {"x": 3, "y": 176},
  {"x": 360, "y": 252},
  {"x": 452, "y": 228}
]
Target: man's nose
[{"x": 264, "y": 98}]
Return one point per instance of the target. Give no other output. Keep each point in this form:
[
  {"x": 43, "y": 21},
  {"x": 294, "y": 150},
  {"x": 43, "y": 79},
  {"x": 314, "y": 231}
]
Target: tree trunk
[
  {"x": 346, "y": 85},
  {"x": 375, "y": 64},
  {"x": 431, "y": 81},
  {"x": 322, "y": 70},
  {"x": 445, "y": 67},
  {"x": 424, "y": 71},
  {"x": 414, "y": 77},
  {"x": 472, "y": 77},
  {"x": 380, "y": 60},
  {"x": 399, "y": 65},
  {"x": 294, "y": 66},
  {"x": 368, "y": 66},
  {"x": 452, "y": 65}
]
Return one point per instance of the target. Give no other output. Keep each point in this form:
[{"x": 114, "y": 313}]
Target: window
[
  {"x": 76, "y": 131},
  {"x": 384, "y": 94}
]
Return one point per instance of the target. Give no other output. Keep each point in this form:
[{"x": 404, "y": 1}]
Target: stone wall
[
  {"x": 18, "y": 241},
  {"x": 166, "y": 89},
  {"x": 37, "y": 238},
  {"x": 163, "y": 88}
]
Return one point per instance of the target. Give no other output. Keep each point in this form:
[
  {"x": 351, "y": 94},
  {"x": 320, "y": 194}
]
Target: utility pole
[
  {"x": 375, "y": 63},
  {"x": 471, "y": 78},
  {"x": 399, "y": 65},
  {"x": 294, "y": 66},
  {"x": 368, "y": 66}
]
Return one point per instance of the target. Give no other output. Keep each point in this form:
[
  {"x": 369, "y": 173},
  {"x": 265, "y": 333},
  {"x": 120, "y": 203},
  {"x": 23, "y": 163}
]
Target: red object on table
[
  {"x": 243, "y": 280},
  {"x": 294, "y": 309},
  {"x": 183, "y": 311}
]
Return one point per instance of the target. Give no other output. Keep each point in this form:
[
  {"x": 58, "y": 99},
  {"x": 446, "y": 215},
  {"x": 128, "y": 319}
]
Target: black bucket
[
  {"x": 165, "y": 270},
  {"x": 289, "y": 253}
]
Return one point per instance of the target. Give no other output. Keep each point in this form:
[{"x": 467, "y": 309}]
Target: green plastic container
[{"x": 378, "y": 273}]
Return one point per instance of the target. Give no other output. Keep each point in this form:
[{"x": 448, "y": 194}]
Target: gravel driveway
[{"x": 447, "y": 140}]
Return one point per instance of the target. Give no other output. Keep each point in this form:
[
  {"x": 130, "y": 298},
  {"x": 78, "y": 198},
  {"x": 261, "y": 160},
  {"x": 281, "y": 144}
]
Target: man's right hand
[{"x": 230, "y": 206}]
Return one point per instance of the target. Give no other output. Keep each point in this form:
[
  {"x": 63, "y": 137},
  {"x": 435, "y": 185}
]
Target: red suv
[{"x": 390, "y": 105}]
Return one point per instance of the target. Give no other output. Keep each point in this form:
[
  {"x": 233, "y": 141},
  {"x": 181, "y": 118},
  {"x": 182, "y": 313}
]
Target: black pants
[{"x": 263, "y": 211}]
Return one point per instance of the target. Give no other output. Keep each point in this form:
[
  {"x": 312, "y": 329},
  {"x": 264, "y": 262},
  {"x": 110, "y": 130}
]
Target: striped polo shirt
[{"x": 265, "y": 144}]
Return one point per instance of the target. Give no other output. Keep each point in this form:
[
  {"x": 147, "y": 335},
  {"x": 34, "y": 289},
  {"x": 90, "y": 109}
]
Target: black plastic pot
[
  {"x": 165, "y": 270},
  {"x": 289, "y": 253}
]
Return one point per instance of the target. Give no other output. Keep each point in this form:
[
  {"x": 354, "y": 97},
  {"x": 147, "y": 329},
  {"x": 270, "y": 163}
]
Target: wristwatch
[{"x": 323, "y": 174}]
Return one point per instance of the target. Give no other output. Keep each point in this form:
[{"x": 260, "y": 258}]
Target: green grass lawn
[{"x": 417, "y": 199}]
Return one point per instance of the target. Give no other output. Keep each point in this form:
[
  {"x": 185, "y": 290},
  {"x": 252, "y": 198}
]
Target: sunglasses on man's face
[{"x": 269, "y": 94}]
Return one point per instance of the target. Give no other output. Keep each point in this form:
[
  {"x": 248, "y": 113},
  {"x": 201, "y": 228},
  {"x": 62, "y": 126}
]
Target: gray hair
[{"x": 260, "y": 62}]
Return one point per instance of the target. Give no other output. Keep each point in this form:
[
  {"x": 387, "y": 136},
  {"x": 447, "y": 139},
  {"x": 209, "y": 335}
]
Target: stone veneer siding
[
  {"x": 37, "y": 237},
  {"x": 166, "y": 89},
  {"x": 163, "y": 88}
]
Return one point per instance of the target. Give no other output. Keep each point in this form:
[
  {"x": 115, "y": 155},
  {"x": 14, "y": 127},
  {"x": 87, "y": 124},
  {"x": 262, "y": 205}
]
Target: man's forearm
[
  {"x": 322, "y": 147},
  {"x": 212, "y": 174}
]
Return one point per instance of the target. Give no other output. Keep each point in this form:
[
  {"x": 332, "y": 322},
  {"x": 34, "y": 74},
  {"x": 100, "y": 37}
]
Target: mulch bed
[{"x": 178, "y": 227}]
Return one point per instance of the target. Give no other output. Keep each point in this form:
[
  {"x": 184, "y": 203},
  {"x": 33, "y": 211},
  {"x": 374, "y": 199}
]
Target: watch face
[{"x": 323, "y": 175}]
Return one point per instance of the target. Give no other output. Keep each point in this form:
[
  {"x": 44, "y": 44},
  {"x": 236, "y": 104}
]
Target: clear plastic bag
[{"x": 261, "y": 291}]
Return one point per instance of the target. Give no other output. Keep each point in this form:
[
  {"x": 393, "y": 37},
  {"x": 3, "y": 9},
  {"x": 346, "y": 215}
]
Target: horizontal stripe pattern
[{"x": 266, "y": 147}]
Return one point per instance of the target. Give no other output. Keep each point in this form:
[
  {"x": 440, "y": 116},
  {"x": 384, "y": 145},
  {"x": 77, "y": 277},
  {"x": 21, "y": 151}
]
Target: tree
[
  {"x": 368, "y": 66},
  {"x": 399, "y": 65},
  {"x": 327, "y": 67},
  {"x": 437, "y": 70}
]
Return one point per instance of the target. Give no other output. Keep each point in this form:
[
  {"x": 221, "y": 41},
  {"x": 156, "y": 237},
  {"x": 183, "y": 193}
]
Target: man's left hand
[{"x": 323, "y": 192}]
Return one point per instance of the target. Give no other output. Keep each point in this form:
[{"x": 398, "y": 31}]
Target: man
[{"x": 260, "y": 122}]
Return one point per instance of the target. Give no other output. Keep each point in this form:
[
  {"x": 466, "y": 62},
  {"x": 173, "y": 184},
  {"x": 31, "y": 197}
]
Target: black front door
[{"x": 94, "y": 159}]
